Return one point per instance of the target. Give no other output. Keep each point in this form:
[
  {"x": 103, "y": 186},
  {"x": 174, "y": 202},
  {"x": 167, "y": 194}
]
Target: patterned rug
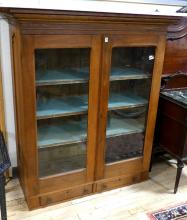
[{"x": 178, "y": 212}]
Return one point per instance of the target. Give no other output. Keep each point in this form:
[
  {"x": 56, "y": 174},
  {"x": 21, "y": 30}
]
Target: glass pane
[
  {"x": 62, "y": 144},
  {"x": 62, "y": 100},
  {"x": 61, "y": 66},
  {"x": 60, "y": 159},
  {"x": 62, "y": 77},
  {"x": 130, "y": 83}
]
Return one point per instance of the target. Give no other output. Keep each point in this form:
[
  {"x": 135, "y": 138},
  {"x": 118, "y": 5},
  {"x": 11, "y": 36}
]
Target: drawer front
[{"x": 65, "y": 195}]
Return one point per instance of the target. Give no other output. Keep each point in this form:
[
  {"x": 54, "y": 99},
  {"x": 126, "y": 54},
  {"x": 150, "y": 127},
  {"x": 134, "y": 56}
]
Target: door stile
[
  {"x": 93, "y": 106},
  {"x": 153, "y": 104},
  {"x": 29, "y": 105},
  {"x": 128, "y": 41},
  {"x": 103, "y": 106},
  {"x": 94, "y": 43}
]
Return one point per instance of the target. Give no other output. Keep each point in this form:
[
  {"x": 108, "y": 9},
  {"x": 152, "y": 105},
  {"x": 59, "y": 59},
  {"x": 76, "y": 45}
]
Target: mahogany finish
[
  {"x": 32, "y": 29},
  {"x": 172, "y": 120},
  {"x": 176, "y": 48},
  {"x": 174, "y": 81},
  {"x": 172, "y": 123}
]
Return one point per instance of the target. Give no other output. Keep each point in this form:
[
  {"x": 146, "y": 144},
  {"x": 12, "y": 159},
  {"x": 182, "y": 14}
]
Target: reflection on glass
[
  {"x": 62, "y": 77},
  {"x": 125, "y": 134},
  {"x": 132, "y": 62},
  {"x": 130, "y": 83}
]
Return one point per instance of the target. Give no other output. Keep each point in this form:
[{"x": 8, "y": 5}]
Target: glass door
[
  {"x": 62, "y": 79},
  {"x": 64, "y": 85},
  {"x": 129, "y": 90},
  {"x": 128, "y": 73}
]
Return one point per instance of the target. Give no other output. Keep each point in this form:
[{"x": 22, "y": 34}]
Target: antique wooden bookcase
[{"x": 87, "y": 88}]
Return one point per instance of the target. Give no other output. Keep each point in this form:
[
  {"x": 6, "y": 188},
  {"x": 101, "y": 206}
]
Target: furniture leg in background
[
  {"x": 171, "y": 128},
  {"x": 180, "y": 166}
]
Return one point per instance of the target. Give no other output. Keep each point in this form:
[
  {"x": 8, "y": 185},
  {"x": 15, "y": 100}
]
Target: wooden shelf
[
  {"x": 75, "y": 105},
  {"x": 123, "y": 101},
  {"x": 127, "y": 73},
  {"x": 76, "y": 131},
  {"x": 66, "y": 133},
  {"x": 119, "y": 126},
  {"x": 70, "y": 105},
  {"x": 55, "y": 77}
]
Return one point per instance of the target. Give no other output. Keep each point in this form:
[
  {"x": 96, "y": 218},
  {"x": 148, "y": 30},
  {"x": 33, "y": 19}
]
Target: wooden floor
[{"x": 131, "y": 202}]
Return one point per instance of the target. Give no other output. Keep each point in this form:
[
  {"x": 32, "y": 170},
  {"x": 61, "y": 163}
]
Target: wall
[{"x": 6, "y": 70}]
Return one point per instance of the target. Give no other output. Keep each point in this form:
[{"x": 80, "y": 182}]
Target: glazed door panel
[
  {"x": 129, "y": 91},
  {"x": 61, "y": 76},
  {"x": 129, "y": 70}
]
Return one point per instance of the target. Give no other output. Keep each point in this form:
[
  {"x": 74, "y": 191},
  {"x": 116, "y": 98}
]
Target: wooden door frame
[
  {"x": 38, "y": 186},
  {"x": 136, "y": 165}
]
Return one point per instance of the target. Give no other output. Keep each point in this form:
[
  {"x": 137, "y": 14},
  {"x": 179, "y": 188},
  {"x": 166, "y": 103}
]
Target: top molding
[{"x": 38, "y": 15}]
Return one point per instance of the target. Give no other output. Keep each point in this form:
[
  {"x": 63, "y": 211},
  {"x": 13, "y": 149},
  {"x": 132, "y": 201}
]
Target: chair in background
[{"x": 4, "y": 165}]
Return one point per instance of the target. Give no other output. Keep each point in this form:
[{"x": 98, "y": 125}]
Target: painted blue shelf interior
[
  {"x": 127, "y": 73},
  {"x": 76, "y": 131},
  {"x": 120, "y": 100},
  {"x": 71, "y": 105},
  {"x": 66, "y": 133},
  {"x": 61, "y": 76},
  {"x": 50, "y": 77},
  {"x": 68, "y": 105}
]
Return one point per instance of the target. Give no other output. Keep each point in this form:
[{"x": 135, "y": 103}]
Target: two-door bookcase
[{"x": 86, "y": 88}]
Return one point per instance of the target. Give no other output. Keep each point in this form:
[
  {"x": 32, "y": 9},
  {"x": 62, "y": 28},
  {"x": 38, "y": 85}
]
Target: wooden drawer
[{"x": 65, "y": 195}]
